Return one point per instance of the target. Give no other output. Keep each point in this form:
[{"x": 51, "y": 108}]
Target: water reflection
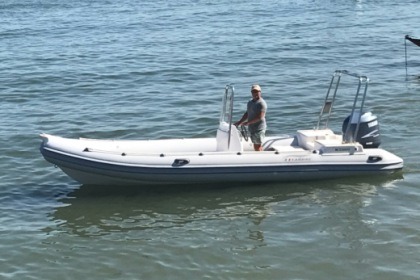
[
  {"x": 100, "y": 210},
  {"x": 332, "y": 208}
]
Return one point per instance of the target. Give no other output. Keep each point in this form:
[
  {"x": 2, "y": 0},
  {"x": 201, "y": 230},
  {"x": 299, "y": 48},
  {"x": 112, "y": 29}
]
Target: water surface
[{"x": 157, "y": 69}]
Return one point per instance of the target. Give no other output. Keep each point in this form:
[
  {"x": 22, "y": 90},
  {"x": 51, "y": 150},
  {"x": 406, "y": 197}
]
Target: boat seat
[{"x": 307, "y": 138}]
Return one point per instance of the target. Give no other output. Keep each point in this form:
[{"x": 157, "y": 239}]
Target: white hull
[{"x": 181, "y": 161}]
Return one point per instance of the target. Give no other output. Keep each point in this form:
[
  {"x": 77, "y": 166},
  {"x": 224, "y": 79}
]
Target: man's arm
[
  {"x": 256, "y": 119},
  {"x": 244, "y": 117}
]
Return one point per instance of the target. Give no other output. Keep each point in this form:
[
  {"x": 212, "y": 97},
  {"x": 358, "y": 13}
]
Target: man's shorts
[{"x": 257, "y": 137}]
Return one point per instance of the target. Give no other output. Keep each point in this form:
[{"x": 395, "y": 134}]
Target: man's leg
[
  {"x": 258, "y": 147},
  {"x": 257, "y": 139}
]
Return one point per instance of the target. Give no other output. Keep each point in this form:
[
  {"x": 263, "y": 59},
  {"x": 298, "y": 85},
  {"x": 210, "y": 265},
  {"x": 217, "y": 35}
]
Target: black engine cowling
[{"x": 368, "y": 134}]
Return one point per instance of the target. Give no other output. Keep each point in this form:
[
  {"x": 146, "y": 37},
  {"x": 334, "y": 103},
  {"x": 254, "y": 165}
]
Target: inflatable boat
[{"x": 318, "y": 153}]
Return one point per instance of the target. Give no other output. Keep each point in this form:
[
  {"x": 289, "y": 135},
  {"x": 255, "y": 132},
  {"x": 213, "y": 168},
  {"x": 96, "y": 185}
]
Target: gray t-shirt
[{"x": 254, "y": 108}]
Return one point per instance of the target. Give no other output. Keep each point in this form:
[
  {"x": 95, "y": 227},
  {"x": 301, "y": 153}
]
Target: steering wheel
[{"x": 244, "y": 132}]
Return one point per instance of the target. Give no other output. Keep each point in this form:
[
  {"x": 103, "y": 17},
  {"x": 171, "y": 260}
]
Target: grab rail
[
  {"x": 227, "y": 110},
  {"x": 329, "y": 102}
]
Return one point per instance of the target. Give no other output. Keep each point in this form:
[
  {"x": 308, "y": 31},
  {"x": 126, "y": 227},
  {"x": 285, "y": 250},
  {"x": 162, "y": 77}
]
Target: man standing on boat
[{"x": 254, "y": 117}]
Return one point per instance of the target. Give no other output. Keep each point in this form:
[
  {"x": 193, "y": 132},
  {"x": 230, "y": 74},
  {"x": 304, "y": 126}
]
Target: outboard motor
[{"x": 368, "y": 135}]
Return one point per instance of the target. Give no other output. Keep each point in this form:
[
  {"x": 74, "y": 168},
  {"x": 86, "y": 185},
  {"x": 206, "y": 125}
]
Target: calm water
[{"x": 157, "y": 69}]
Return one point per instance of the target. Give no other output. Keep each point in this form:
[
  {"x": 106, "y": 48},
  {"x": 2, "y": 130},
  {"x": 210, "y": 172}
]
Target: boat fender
[{"x": 180, "y": 162}]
